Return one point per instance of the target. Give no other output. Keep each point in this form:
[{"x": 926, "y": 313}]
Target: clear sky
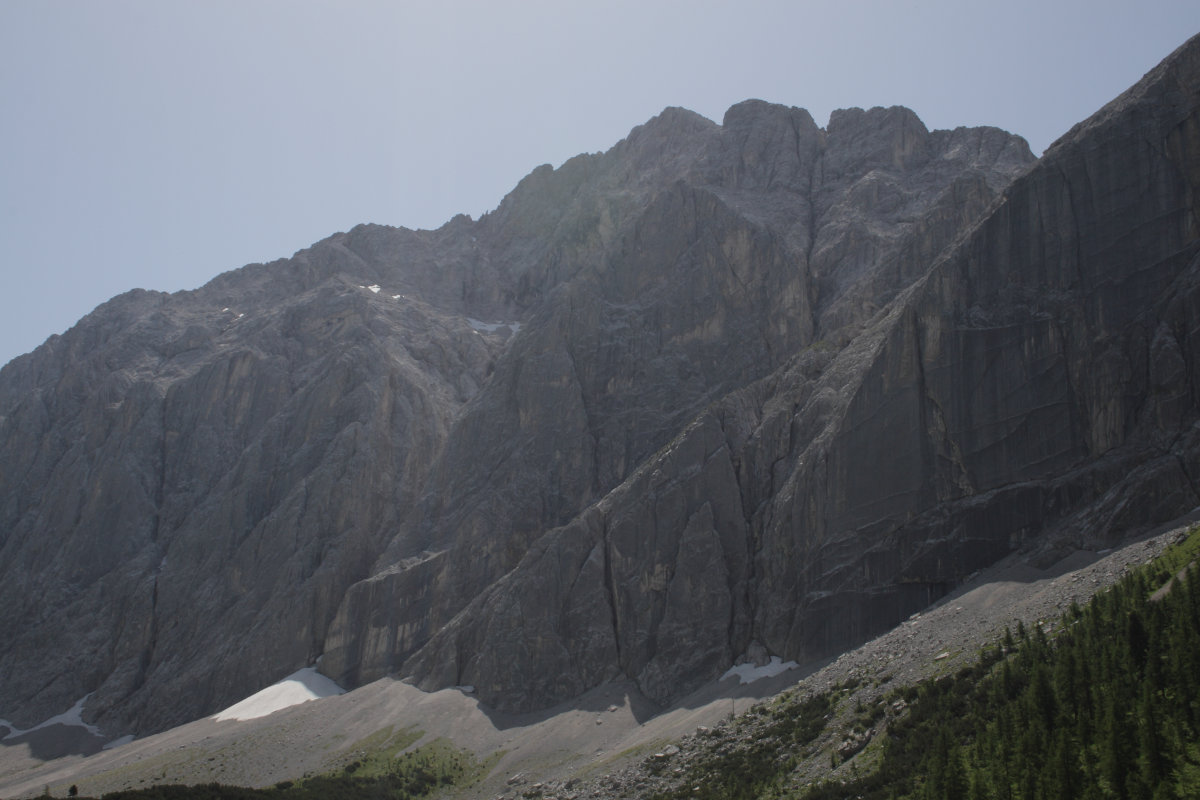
[{"x": 157, "y": 143}]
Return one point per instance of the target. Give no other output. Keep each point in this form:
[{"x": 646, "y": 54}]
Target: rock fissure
[{"x": 610, "y": 591}]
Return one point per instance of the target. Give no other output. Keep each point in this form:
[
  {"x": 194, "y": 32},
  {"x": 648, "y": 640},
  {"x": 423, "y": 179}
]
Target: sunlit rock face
[{"x": 750, "y": 386}]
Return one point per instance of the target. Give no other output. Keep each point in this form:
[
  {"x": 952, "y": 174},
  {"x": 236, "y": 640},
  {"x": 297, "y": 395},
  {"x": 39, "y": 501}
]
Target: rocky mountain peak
[
  {"x": 769, "y": 147},
  {"x": 723, "y": 386},
  {"x": 754, "y": 112},
  {"x": 891, "y": 138}
]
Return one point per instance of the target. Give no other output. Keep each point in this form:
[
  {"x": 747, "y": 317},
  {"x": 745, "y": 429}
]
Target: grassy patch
[
  {"x": 378, "y": 766},
  {"x": 372, "y": 755},
  {"x": 637, "y": 751}
]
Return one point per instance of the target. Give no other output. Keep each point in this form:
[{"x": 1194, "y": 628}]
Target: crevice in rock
[
  {"x": 1075, "y": 232},
  {"x": 810, "y": 196},
  {"x": 610, "y": 591},
  {"x": 160, "y": 490},
  {"x": 146, "y": 657},
  {"x": 1195, "y": 487}
]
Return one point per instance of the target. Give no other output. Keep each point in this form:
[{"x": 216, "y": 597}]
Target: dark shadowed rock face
[
  {"x": 686, "y": 288},
  {"x": 724, "y": 387}
]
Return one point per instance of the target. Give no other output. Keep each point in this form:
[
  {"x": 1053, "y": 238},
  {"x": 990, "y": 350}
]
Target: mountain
[{"x": 748, "y": 389}]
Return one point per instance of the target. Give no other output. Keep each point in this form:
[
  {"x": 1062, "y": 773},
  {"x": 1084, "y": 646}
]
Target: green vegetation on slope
[
  {"x": 1105, "y": 704},
  {"x": 1108, "y": 707},
  {"x": 379, "y": 770},
  {"x": 758, "y": 767}
]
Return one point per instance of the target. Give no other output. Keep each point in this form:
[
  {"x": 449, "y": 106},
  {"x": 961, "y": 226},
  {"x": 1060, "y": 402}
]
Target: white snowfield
[
  {"x": 299, "y": 687},
  {"x": 748, "y": 673}
]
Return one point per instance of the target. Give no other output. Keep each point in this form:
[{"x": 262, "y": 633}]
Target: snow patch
[
  {"x": 748, "y": 673},
  {"x": 299, "y": 687},
  {"x": 73, "y": 717},
  {"x": 492, "y": 327},
  {"x": 374, "y": 287}
]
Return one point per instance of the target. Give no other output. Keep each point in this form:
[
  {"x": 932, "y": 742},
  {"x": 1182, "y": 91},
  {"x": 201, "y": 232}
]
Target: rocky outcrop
[{"x": 750, "y": 386}]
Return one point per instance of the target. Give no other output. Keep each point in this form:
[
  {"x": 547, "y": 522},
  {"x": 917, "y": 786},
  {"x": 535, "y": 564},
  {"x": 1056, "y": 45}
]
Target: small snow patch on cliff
[
  {"x": 748, "y": 673},
  {"x": 492, "y": 327}
]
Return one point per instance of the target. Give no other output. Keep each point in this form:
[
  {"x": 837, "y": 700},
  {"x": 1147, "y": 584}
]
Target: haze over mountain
[{"x": 748, "y": 388}]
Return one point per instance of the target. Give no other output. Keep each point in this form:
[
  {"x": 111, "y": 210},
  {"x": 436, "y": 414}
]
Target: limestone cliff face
[
  {"x": 755, "y": 383},
  {"x": 701, "y": 279},
  {"x": 1028, "y": 386}
]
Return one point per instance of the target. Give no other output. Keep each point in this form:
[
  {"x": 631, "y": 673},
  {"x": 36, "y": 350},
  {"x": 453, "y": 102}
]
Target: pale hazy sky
[{"x": 155, "y": 144}]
